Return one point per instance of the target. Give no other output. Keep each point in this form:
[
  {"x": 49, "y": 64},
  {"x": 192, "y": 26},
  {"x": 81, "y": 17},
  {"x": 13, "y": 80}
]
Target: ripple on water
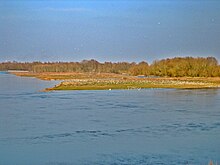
[
  {"x": 148, "y": 159},
  {"x": 65, "y": 120},
  {"x": 175, "y": 129}
]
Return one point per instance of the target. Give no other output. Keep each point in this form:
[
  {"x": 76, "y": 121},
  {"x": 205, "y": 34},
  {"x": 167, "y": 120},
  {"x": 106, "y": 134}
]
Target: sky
[{"x": 108, "y": 30}]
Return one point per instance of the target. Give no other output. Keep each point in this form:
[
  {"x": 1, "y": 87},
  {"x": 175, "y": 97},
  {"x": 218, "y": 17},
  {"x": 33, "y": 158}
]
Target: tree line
[{"x": 171, "y": 67}]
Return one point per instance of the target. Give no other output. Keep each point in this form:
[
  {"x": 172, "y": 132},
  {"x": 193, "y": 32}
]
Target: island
[{"x": 178, "y": 72}]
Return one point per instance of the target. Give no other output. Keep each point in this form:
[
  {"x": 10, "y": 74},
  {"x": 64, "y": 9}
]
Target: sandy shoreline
[{"x": 109, "y": 81}]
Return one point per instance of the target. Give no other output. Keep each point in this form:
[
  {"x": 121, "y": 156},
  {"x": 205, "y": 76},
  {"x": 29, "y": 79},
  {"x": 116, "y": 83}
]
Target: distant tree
[
  {"x": 174, "y": 67},
  {"x": 186, "y": 66},
  {"x": 140, "y": 69}
]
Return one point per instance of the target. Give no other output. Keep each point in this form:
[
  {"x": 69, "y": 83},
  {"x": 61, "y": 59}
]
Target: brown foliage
[{"x": 175, "y": 67}]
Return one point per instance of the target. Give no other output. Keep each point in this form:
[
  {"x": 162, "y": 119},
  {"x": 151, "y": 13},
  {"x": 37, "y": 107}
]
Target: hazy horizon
[{"x": 114, "y": 31}]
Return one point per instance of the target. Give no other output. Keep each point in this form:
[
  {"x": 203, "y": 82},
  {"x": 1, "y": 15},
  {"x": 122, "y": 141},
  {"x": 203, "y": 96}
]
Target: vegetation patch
[
  {"x": 178, "y": 72},
  {"x": 174, "y": 67},
  {"x": 133, "y": 83}
]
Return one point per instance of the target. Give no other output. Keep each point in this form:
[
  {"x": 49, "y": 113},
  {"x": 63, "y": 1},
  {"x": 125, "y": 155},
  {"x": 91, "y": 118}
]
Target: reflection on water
[{"x": 151, "y": 126}]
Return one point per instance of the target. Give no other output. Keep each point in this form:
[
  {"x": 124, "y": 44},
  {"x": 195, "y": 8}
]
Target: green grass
[
  {"x": 106, "y": 81},
  {"x": 107, "y": 86}
]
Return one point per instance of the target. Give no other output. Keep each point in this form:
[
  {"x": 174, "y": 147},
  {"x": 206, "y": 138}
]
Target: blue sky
[{"x": 123, "y": 30}]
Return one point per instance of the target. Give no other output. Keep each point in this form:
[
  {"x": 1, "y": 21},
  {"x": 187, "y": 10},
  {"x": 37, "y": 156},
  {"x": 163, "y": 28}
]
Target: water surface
[{"x": 149, "y": 126}]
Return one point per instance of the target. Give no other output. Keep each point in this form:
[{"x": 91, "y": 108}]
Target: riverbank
[{"x": 109, "y": 81}]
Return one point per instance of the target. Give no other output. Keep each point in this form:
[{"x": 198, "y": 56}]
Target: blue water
[{"x": 148, "y": 126}]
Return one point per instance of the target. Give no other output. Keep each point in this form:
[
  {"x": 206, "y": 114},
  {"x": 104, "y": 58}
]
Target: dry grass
[
  {"x": 68, "y": 75},
  {"x": 103, "y": 81}
]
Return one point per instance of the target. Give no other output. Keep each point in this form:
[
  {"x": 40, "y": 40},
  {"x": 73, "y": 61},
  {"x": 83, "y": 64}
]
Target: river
[{"x": 144, "y": 127}]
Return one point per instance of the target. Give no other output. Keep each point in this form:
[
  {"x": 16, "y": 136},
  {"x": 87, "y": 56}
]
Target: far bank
[{"x": 110, "y": 81}]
